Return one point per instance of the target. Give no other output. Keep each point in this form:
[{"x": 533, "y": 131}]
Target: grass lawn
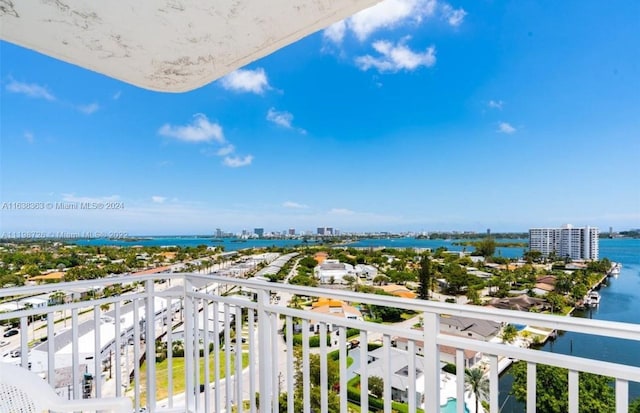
[{"x": 162, "y": 376}]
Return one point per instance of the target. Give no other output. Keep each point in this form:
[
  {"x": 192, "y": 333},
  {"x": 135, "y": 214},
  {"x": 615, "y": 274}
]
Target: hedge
[{"x": 314, "y": 340}]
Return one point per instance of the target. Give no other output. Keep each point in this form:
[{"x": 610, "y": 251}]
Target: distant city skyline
[{"x": 414, "y": 115}]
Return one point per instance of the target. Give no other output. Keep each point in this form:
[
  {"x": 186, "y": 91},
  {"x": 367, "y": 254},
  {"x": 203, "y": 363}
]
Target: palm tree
[
  {"x": 509, "y": 333},
  {"x": 477, "y": 384}
]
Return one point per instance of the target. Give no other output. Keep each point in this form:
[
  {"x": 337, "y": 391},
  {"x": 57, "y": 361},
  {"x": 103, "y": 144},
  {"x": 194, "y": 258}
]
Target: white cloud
[
  {"x": 294, "y": 205},
  {"x": 200, "y": 130},
  {"x": 335, "y": 33},
  {"x": 454, "y": 17},
  {"x": 117, "y": 95},
  {"x": 225, "y": 150},
  {"x": 396, "y": 57},
  {"x": 495, "y": 104},
  {"x": 74, "y": 198},
  {"x": 389, "y": 14},
  {"x": 504, "y": 127},
  {"x": 341, "y": 211},
  {"x": 283, "y": 119},
  {"x": 392, "y": 14},
  {"x": 237, "y": 161},
  {"x": 28, "y": 136},
  {"x": 30, "y": 89},
  {"x": 243, "y": 80},
  {"x": 89, "y": 109},
  {"x": 158, "y": 199}
]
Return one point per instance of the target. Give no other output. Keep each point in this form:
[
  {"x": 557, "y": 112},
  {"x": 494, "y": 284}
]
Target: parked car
[
  {"x": 11, "y": 333},
  {"x": 3, "y": 343}
]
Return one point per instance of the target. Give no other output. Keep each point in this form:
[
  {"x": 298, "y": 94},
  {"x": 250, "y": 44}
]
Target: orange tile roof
[
  {"x": 398, "y": 291},
  {"x": 152, "y": 270},
  {"x": 320, "y": 256},
  {"x": 322, "y": 301}
]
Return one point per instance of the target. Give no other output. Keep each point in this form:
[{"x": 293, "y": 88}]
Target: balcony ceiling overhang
[{"x": 169, "y": 45}]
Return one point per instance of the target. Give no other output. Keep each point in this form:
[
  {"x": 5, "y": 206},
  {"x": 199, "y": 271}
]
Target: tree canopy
[{"x": 596, "y": 393}]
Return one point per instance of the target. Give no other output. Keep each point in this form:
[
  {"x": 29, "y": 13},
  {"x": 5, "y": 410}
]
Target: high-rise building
[
  {"x": 325, "y": 231},
  {"x": 259, "y": 232},
  {"x": 575, "y": 243},
  {"x": 292, "y": 231}
]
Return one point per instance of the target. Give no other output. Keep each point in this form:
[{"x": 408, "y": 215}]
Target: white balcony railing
[{"x": 105, "y": 338}]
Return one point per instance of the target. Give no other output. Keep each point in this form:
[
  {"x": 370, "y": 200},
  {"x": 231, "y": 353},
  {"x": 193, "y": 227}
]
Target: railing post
[
  {"x": 97, "y": 352},
  {"x": 118, "y": 346},
  {"x": 531, "y": 387},
  {"x": 574, "y": 391},
  {"x": 150, "y": 337},
  {"x": 431, "y": 326},
  {"x": 460, "y": 376},
  {"x": 264, "y": 359},
  {"x": 190, "y": 386},
  {"x": 494, "y": 388},
  {"x": 76, "y": 353},
  {"x": 622, "y": 396}
]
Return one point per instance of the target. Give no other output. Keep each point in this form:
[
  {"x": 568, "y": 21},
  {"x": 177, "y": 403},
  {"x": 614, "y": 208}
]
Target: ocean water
[
  {"x": 233, "y": 244},
  {"x": 507, "y": 252},
  {"x": 229, "y": 244}
]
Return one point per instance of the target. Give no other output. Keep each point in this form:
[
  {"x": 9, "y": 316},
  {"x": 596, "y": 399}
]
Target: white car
[{"x": 4, "y": 343}]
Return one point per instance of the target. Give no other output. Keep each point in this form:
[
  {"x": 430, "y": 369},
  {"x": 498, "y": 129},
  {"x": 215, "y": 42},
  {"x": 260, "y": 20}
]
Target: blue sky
[{"x": 415, "y": 115}]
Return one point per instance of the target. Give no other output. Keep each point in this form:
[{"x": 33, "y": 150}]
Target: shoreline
[{"x": 505, "y": 362}]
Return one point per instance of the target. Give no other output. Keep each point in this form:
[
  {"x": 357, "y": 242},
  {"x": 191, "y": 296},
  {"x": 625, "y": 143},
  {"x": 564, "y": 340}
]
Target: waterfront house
[
  {"x": 520, "y": 303},
  {"x": 366, "y": 271},
  {"x": 333, "y": 271},
  {"x": 447, "y": 353},
  {"x": 545, "y": 285},
  {"x": 336, "y": 308},
  {"x": 477, "y": 329}
]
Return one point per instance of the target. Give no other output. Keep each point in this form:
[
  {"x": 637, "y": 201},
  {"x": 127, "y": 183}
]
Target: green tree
[
  {"x": 424, "y": 277},
  {"x": 380, "y": 279},
  {"x": 308, "y": 262},
  {"x": 564, "y": 283},
  {"x": 533, "y": 256},
  {"x": 485, "y": 248},
  {"x": 634, "y": 406},
  {"x": 386, "y": 314},
  {"x": 596, "y": 392},
  {"x": 509, "y": 333},
  {"x": 556, "y": 301},
  {"x": 333, "y": 378},
  {"x": 349, "y": 279},
  {"x": 477, "y": 384},
  {"x": 31, "y": 270},
  {"x": 376, "y": 386},
  {"x": 457, "y": 278},
  {"x": 579, "y": 291},
  {"x": 401, "y": 277},
  {"x": 473, "y": 295}
]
